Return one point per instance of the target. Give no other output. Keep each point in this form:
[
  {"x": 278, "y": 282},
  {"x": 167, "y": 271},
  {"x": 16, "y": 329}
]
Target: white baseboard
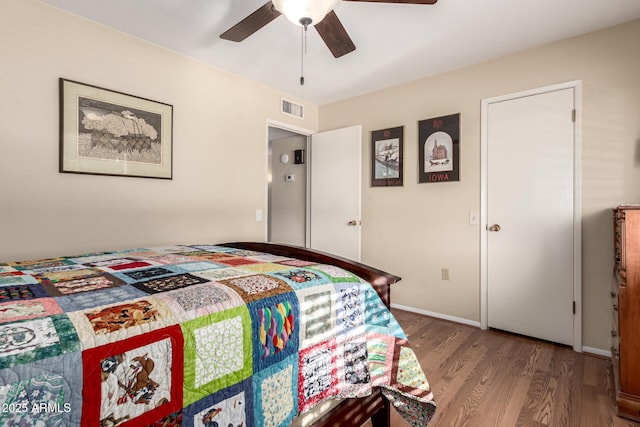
[
  {"x": 436, "y": 315},
  {"x": 596, "y": 351},
  {"x": 585, "y": 349}
]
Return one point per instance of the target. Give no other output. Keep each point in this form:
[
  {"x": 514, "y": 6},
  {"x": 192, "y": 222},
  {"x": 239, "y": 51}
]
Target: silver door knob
[
  {"x": 494, "y": 227},
  {"x": 352, "y": 223}
]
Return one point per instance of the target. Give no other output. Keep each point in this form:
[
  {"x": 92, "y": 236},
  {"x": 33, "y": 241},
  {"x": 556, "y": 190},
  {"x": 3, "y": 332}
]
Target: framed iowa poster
[{"x": 439, "y": 149}]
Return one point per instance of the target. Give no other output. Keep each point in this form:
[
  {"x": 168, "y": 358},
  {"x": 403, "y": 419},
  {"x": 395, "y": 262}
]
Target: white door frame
[
  {"x": 577, "y": 201},
  {"x": 299, "y": 130}
]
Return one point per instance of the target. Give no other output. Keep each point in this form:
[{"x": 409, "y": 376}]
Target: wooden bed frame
[{"x": 351, "y": 412}]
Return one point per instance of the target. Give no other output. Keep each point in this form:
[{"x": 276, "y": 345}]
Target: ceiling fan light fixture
[{"x": 304, "y": 12}]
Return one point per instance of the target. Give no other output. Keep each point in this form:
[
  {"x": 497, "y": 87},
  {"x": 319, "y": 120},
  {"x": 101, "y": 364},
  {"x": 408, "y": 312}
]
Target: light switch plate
[{"x": 474, "y": 218}]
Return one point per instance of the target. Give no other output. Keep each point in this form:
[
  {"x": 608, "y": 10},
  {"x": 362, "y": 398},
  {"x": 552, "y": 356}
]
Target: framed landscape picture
[
  {"x": 386, "y": 157},
  {"x": 105, "y": 132},
  {"x": 439, "y": 149}
]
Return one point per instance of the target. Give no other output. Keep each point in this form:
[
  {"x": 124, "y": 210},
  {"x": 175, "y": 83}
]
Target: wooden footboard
[{"x": 351, "y": 412}]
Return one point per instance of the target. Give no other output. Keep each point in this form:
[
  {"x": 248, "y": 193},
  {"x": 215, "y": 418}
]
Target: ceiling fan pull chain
[{"x": 304, "y": 51}]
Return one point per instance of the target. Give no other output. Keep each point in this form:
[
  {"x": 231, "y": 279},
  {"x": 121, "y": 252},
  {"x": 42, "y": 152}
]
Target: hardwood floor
[{"x": 495, "y": 379}]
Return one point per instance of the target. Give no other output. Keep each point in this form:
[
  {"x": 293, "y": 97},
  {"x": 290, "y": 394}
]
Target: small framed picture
[
  {"x": 104, "y": 132},
  {"x": 439, "y": 149},
  {"x": 386, "y": 157}
]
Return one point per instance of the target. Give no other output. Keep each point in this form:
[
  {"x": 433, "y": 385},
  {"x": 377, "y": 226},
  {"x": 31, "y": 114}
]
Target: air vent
[{"x": 292, "y": 109}]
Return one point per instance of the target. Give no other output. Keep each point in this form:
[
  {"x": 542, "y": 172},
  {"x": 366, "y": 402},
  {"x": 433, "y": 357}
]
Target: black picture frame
[
  {"x": 439, "y": 149},
  {"x": 387, "y": 168},
  {"x": 105, "y": 132}
]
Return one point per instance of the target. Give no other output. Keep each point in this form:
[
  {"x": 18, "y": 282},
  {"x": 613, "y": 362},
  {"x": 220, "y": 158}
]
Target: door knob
[
  {"x": 352, "y": 223},
  {"x": 494, "y": 227}
]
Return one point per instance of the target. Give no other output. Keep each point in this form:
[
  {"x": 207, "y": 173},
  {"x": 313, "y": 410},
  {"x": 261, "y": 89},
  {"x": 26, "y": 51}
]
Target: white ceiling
[{"x": 395, "y": 43}]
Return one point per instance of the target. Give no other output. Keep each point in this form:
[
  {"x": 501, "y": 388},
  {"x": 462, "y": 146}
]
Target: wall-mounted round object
[{"x": 284, "y": 158}]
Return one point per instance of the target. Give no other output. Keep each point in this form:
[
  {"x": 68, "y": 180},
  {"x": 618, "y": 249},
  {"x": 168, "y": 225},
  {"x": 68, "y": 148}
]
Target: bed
[{"x": 233, "y": 335}]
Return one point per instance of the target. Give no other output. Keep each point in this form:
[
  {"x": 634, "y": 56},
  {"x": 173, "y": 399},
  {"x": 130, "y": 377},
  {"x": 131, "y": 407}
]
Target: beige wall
[
  {"x": 219, "y": 118},
  {"x": 416, "y": 230}
]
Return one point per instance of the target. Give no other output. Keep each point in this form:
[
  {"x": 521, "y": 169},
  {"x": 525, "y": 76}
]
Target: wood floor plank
[{"x": 496, "y": 379}]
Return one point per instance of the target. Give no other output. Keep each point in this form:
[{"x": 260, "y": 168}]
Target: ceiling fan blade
[
  {"x": 399, "y": 1},
  {"x": 334, "y": 35},
  {"x": 252, "y": 23}
]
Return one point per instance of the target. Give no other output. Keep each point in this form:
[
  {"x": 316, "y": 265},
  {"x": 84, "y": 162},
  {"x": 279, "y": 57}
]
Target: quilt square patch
[
  {"x": 275, "y": 394},
  {"x": 21, "y": 292},
  {"x": 353, "y": 366},
  {"x": 212, "y": 248},
  {"x": 103, "y": 324},
  {"x": 263, "y": 267},
  {"x": 317, "y": 315},
  {"x": 217, "y": 257},
  {"x": 257, "y": 286},
  {"x": 29, "y": 309},
  {"x": 109, "y": 296},
  {"x": 350, "y": 306},
  {"x": 115, "y": 318},
  {"x": 317, "y": 374},
  {"x": 232, "y": 406},
  {"x": 218, "y": 352},
  {"x": 237, "y": 261},
  {"x": 336, "y": 274},
  {"x": 269, "y": 258},
  {"x": 36, "y": 339},
  {"x": 84, "y": 284},
  {"x": 297, "y": 262},
  {"x": 140, "y": 253},
  {"x": 147, "y": 273},
  {"x": 169, "y": 259},
  {"x": 171, "y": 249},
  {"x": 67, "y": 273},
  {"x": 42, "y": 264},
  {"x": 200, "y": 300},
  {"x": 42, "y": 393},
  {"x": 121, "y": 264},
  {"x": 221, "y": 274},
  {"x": 299, "y": 278},
  {"x": 93, "y": 258},
  {"x": 376, "y": 313},
  {"x": 169, "y": 283},
  {"x": 380, "y": 350},
  {"x": 407, "y": 375},
  {"x": 244, "y": 252},
  {"x": 16, "y": 278},
  {"x": 275, "y": 329},
  {"x": 200, "y": 266},
  {"x": 135, "y": 379}
]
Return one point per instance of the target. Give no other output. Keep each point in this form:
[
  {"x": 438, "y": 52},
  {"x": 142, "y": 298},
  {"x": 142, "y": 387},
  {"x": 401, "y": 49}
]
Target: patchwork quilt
[{"x": 201, "y": 335}]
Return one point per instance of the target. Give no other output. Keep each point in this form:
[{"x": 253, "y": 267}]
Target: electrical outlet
[{"x": 445, "y": 274}]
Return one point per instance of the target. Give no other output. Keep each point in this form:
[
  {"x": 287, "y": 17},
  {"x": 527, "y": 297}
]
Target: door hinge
[
  {"x": 573, "y": 115},
  {"x": 574, "y": 307}
]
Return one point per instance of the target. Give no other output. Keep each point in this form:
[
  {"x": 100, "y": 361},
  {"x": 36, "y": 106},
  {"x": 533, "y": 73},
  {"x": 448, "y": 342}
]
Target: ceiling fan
[{"x": 317, "y": 13}]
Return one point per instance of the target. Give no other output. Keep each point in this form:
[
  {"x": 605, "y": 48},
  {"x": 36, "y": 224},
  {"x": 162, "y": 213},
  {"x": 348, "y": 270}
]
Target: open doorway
[{"x": 287, "y": 187}]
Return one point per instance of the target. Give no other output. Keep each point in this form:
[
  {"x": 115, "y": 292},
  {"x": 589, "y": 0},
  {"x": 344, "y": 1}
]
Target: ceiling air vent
[{"x": 292, "y": 109}]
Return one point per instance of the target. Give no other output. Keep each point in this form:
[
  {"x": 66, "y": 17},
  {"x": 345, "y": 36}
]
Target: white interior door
[
  {"x": 530, "y": 215},
  {"x": 335, "y": 189}
]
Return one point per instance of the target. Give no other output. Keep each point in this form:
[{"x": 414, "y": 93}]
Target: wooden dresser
[{"x": 626, "y": 311}]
